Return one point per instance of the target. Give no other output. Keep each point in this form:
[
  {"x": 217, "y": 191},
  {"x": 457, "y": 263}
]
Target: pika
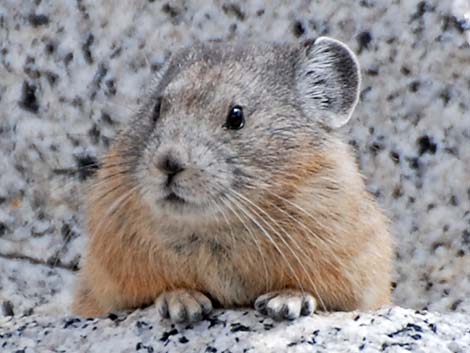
[{"x": 231, "y": 187}]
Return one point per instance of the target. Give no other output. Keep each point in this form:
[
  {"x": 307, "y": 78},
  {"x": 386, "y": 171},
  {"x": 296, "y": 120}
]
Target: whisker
[
  {"x": 255, "y": 241},
  {"x": 308, "y": 230},
  {"x": 113, "y": 208},
  {"x": 268, "y": 236},
  {"x": 333, "y": 255},
  {"x": 299, "y": 261},
  {"x": 329, "y": 241}
]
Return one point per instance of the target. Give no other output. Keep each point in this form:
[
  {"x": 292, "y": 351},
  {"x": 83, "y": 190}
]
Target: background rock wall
[{"x": 71, "y": 72}]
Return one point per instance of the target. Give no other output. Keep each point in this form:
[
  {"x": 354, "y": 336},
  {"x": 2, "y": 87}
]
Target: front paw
[
  {"x": 183, "y": 305},
  {"x": 286, "y": 304}
]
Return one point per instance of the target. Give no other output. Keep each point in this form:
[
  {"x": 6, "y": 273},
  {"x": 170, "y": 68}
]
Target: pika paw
[{"x": 183, "y": 305}]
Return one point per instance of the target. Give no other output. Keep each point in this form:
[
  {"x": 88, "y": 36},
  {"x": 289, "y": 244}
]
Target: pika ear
[{"x": 328, "y": 80}]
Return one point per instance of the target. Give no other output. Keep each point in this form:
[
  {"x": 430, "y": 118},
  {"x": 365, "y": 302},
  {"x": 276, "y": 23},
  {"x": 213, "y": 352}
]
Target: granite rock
[
  {"x": 71, "y": 73},
  {"x": 387, "y": 330}
]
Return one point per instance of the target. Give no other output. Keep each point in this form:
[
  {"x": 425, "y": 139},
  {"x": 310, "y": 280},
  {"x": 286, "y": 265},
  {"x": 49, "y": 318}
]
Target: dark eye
[
  {"x": 235, "y": 118},
  {"x": 156, "y": 110}
]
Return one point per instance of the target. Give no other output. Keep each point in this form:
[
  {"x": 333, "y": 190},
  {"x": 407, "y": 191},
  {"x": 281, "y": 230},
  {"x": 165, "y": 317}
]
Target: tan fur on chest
[{"x": 130, "y": 263}]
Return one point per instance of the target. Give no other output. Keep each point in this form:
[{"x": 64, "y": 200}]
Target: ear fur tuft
[{"x": 328, "y": 81}]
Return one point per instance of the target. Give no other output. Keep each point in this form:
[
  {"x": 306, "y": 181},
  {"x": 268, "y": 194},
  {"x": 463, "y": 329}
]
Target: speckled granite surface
[
  {"x": 388, "y": 330},
  {"x": 71, "y": 72}
]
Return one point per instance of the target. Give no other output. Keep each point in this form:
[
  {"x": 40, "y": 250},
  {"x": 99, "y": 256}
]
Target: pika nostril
[{"x": 170, "y": 166}]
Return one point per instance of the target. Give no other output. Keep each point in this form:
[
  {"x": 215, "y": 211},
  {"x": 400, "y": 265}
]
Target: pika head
[{"x": 226, "y": 121}]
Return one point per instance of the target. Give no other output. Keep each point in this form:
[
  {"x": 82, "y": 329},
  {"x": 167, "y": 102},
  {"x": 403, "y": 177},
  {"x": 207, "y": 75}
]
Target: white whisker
[
  {"x": 294, "y": 254},
  {"x": 268, "y": 236},
  {"x": 255, "y": 241}
]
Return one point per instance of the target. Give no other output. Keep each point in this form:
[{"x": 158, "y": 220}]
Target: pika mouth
[{"x": 175, "y": 199}]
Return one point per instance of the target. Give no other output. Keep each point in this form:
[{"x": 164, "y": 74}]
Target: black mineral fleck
[
  {"x": 28, "y": 99},
  {"x": 410, "y": 327},
  {"x": 170, "y": 10},
  {"x": 68, "y": 58},
  {"x": 405, "y": 71},
  {"x": 37, "y": 20},
  {"x": 233, "y": 9},
  {"x": 426, "y": 145},
  {"x": 413, "y": 162},
  {"x": 395, "y": 157},
  {"x": 237, "y": 327},
  {"x": 86, "y": 166},
  {"x": 168, "y": 334},
  {"x": 51, "y": 77},
  {"x": 71, "y": 322},
  {"x": 364, "y": 39},
  {"x": 421, "y": 9},
  {"x": 3, "y": 229},
  {"x": 414, "y": 86},
  {"x": 86, "y": 48},
  {"x": 140, "y": 346},
  {"x": 298, "y": 29},
  {"x": 7, "y": 308},
  {"x": 183, "y": 339}
]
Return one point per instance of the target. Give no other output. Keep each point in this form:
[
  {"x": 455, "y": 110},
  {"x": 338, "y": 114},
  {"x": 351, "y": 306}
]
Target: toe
[
  {"x": 292, "y": 307},
  {"x": 183, "y": 305},
  {"x": 203, "y": 301},
  {"x": 284, "y": 306},
  {"x": 177, "y": 311},
  {"x": 192, "y": 306},
  {"x": 275, "y": 308},
  {"x": 309, "y": 305},
  {"x": 162, "y": 306},
  {"x": 262, "y": 302}
]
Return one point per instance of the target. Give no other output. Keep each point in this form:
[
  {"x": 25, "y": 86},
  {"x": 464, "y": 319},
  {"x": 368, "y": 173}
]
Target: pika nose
[{"x": 170, "y": 166}]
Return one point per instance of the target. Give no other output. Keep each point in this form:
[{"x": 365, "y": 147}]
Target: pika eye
[
  {"x": 156, "y": 110},
  {"x": 235, "y": 118}
]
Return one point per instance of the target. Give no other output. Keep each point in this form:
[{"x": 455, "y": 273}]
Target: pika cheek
[{"x": 194, "y": 181}]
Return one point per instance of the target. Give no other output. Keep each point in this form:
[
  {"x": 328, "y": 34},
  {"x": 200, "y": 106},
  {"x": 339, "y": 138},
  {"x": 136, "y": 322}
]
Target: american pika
[{"x": 231, "y": 187}]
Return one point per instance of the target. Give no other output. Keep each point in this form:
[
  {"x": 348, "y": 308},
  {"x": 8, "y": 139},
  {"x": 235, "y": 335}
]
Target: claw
[
  {"x": 285, "y": 305},
  {"x": 183, "y": 306}
]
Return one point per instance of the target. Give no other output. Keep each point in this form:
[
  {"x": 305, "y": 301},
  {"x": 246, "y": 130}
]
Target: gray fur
[{"x": 291, "y": 96}]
